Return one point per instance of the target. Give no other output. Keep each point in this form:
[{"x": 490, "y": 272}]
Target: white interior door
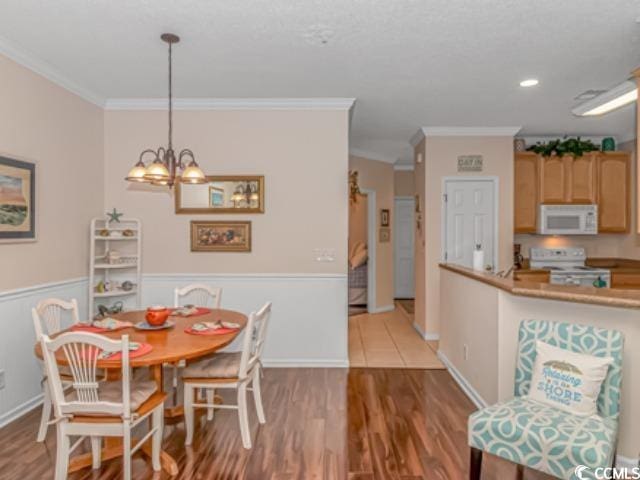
[
  {"x": 469, "y": 216},
  {"x": 403, "y": 248}
]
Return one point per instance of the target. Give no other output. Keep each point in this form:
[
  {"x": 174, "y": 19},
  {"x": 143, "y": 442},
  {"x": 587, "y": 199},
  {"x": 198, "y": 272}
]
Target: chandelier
[
  {"x": 247, "y": 193},
  {"x": 166, "y": 169}
]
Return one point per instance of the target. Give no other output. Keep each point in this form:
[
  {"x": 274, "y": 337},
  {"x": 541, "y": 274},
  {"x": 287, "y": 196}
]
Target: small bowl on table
[{"x": 156, "y": 316}]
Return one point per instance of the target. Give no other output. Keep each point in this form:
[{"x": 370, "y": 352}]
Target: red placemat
[
  {"x": 201, "y": 311},
  {"x": 213, "y": 331},
  {"x": 142, "y": 350},
  {"x": 80, "y": 327}
]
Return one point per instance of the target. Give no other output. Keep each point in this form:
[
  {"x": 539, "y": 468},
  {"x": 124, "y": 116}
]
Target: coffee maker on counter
[{"x": 518, "y": 259}]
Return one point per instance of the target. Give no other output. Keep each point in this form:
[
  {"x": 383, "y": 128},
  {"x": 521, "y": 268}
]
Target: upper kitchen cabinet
[
  {"x": 553, "y": 179},
  {"x": 582, "y": 173},
  {"x": 614, "y": 192},
  {"x": 568, "y": 180},
  {"x": 525, "y": 192},
  {"x": 594, "y": 178}
]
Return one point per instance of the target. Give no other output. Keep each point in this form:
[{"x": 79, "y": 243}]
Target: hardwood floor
[{"x": 358, "y": 424}]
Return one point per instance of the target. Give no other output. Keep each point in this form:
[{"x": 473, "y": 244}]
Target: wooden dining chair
[
  {"x": 47, "y": 319},
  {"x": 234, "y": 370},
  {"x": 197, "y": 294},
  {"x": 99, "y": 409}
]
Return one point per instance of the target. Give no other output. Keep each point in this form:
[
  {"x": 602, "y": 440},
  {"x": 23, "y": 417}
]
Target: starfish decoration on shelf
[{"x": 114, "y": 216}]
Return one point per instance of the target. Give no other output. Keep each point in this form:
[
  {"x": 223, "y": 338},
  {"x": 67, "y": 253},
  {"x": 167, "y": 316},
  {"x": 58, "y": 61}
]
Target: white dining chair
[
  {"x": 201, "y": 296},
  {"x": 47, "y": 319},
  {"x": 231, "y": 370},
  {"x": 99, "y": 409},
  {"x": 197, "y": 294}
]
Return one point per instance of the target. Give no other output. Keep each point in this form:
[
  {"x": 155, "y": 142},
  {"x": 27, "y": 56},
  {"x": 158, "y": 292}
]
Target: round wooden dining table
[{"x": 169, "y": 345}]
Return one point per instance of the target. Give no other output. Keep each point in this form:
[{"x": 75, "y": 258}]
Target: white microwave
[{"x": 568, "y": 220}]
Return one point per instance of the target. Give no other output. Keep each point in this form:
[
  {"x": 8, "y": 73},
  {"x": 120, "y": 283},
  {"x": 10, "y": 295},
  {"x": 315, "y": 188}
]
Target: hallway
[{"x": 388, "y": 340}]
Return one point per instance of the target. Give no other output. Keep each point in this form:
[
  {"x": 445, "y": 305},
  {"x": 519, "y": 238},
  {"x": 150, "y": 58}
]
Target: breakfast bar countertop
[{"x": 591, "y": 295}]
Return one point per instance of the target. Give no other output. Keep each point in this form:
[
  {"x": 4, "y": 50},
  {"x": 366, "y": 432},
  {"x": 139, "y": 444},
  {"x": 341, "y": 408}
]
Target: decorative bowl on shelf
[{"x": 157, "y": 315}]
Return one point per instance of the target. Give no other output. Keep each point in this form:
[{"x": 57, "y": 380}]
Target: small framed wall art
[
  {"x": 17, "y": 200},
  {"x": 221, "y": 236},
  {"x": 384, "y": 217}
]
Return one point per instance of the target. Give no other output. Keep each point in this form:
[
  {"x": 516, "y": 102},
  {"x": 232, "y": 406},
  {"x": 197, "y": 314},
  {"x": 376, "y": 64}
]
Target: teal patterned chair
[{"x": 542, "y": 437}]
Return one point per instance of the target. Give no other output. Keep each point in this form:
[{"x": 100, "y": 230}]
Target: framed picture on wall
[
  {"x": 216, "y": 197},
  {"x": 384, "y": 217},
  {"x": 222, "y": 236},
  {"x": 17, "y": 200}
]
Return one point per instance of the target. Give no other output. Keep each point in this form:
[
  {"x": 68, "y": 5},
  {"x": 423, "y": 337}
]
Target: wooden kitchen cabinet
[
  {"x": 525, "y": 194},
  {"x": 582, "y": 175},
  {"x": 553, "y": 179},
  {"x": 568, "y": 180},
  {"x": 602, "y": 178},
  {"x": 532, "y": 276},
  {"x": 614, "y": 192}
]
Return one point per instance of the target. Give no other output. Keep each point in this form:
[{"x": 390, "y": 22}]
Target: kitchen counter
[{"x": 596, "y": 296}]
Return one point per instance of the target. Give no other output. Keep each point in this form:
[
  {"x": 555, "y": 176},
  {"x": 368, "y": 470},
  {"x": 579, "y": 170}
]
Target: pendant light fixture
[{"x": 166, "y": 169}]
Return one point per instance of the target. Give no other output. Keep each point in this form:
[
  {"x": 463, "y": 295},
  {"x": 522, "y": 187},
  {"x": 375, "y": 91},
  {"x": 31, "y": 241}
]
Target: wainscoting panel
[
  {"x": 309, "y": 318},
  {"x": 308, "y": 323},
  {"x": 22, "y": 371}
]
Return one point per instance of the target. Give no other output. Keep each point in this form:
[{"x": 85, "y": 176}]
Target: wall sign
[{"x": 470, "y": 163}]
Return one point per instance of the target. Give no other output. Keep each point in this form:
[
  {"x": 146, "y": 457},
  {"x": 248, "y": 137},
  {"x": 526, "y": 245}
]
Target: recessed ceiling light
[{"x": 530, "y": 82}]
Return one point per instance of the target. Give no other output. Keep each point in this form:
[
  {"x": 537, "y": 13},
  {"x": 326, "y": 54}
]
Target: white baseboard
[
  {"x": 425, "y": 336},
  {"x": 305, "y": 363},
  {"x": 626, "y": 462},
  {"x": 20, "y": 410},
  {"x": 466, "y": 387},
  {"x": 383, "y": 309}
]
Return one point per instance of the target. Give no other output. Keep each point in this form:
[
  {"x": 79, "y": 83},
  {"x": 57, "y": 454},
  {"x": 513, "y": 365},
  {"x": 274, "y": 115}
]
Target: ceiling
[{"x": 409, "y": 63}]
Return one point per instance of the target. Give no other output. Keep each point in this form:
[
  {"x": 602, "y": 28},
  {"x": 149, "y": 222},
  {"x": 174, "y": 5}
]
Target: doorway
[
  {"x": 469, "y": 207},
  {"x": 403, "y": 251},
  {"x": 362, "y": 253}
]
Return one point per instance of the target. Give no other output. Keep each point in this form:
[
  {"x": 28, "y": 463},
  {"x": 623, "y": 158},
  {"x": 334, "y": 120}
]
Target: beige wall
[
  {"x": 302, "y": 154},
  {"x": 378, "y": 176},
  {"x": 358, "y": 222},
  {"x": 603, "y": 245},
  {"x": 441, "y": 159},
  {"x": 63, "y": 134},
  {"x": 487, "y": 323},
  {"x": 472, "y": 325},
  {"x": 404, "y": 183},
  {"x": 419, "y": 237}
]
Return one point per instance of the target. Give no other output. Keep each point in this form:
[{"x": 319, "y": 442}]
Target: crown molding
[
  {"x": 231, "y": 104},
  {"x": 46, "y": 70},
  {"x": 403, "y": 168},
  {"x": 367, "y": 155},
  {"x": 416, "y": 138},
  {"x": 470, "y": 131}
]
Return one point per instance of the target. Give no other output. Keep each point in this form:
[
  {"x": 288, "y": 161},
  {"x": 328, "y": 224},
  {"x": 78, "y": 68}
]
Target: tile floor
[{"x": 388, "y": 340}]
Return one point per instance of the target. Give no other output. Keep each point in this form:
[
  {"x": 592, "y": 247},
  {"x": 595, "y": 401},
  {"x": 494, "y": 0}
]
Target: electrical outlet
[
  {"x": 324, "y": 255},
  {"x": 465, "y": 351},
  {"x": 2, "y": 384}
]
